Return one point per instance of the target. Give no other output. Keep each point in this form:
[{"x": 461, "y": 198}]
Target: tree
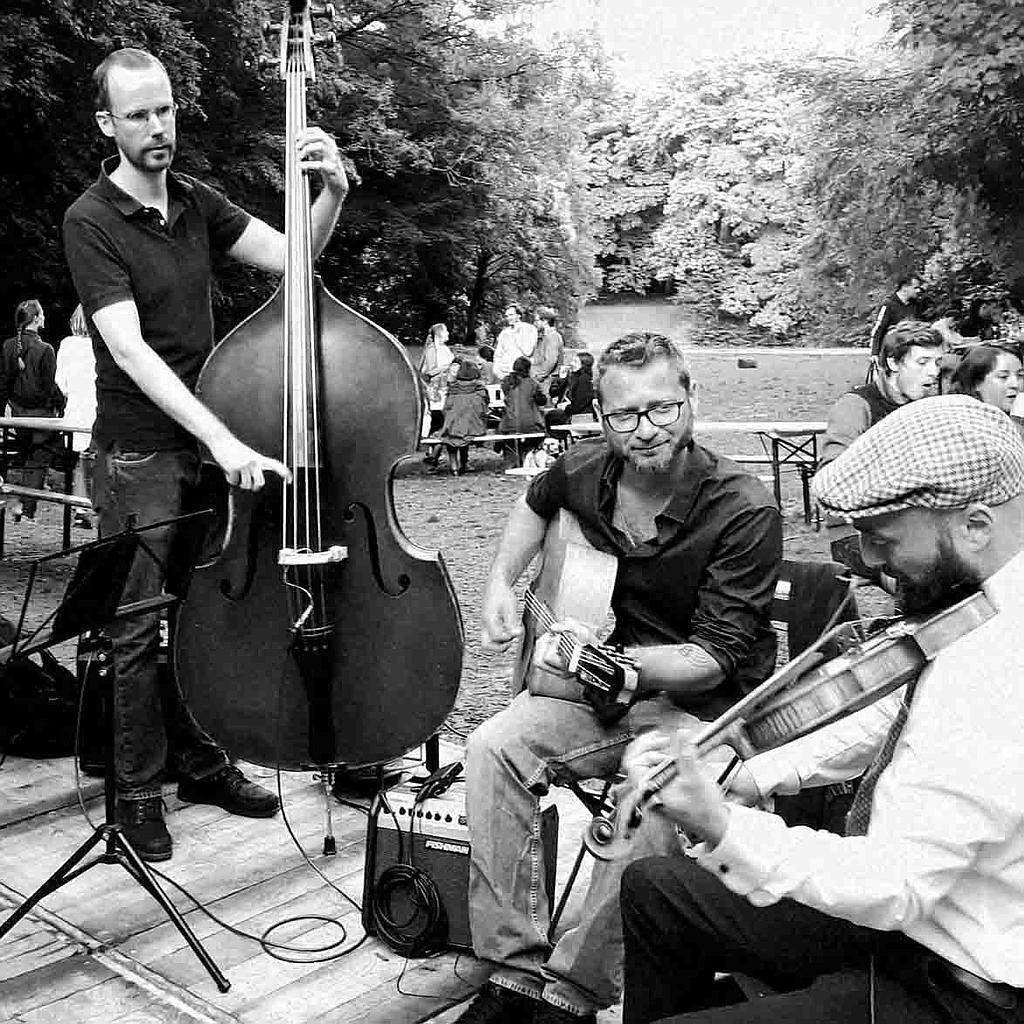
[{"x": 431, "y": 99}]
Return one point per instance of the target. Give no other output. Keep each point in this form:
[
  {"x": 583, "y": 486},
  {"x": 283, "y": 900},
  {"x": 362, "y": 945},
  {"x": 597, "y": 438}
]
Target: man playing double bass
[
  {"x": 698, "y": 545},
  {"x": 139, "y": 243},
  {"x": 917, "y": 913}
]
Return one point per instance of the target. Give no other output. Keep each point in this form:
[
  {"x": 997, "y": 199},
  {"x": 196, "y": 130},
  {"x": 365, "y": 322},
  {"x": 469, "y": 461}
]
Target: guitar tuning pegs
[{"x": 271, "y": 29}]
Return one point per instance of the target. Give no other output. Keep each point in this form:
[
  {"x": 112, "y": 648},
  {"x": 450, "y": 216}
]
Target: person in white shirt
[
  {"x": 516, "y": 339},
  {"x": 917, "y": 914},
  {"x": 76, "y": 377}
]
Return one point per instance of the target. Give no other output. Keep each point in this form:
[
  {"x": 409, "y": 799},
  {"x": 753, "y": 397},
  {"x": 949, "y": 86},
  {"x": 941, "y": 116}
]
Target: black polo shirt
[
  {"x": 707, "y": 578},
  {"x": 118, "y": 249}
]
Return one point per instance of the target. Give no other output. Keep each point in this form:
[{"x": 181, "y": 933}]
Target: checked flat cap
[{"x": 942, "y": 452}]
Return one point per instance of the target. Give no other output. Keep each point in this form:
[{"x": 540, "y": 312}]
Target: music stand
[{"x": 91, "y": 603}]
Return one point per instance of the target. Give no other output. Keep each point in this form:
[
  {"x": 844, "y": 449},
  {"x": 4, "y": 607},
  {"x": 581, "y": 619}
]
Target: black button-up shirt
[
  {"x": 117, "y": 250},
  {"x": 707, "y": 578}
]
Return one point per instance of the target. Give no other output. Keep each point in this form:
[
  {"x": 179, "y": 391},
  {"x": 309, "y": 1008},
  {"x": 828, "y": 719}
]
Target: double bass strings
[{"x": 302, "y": 526}]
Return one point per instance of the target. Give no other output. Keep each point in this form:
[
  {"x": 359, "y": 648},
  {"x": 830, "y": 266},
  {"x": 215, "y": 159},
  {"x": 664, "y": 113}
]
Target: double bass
[{"x": 320, "y": 634}]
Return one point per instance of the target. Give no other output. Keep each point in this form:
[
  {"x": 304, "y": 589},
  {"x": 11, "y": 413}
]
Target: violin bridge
[{"x": 296, "y": 556}]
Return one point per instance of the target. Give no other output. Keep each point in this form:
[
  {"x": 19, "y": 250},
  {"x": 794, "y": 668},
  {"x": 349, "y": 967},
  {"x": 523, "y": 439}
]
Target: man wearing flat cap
[{"x": 917, "y": 913}]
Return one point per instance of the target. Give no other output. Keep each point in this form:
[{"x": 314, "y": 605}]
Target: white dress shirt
[
  {"x": 519, "y": 339},
  {"x": 943, "y": 860}
]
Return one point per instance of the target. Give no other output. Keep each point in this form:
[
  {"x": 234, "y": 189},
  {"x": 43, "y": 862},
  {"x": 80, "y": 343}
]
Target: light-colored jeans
[{"x": 511, "y": 760}]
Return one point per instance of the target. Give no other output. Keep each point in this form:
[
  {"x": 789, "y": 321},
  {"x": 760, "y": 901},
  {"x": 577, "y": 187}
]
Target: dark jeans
[
  {"x": 681, "y": 925},
  {"x": 148, "y": 714}
]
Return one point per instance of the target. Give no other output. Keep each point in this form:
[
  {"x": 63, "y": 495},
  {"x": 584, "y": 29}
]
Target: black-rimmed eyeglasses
[
  {"x": 138, "y": 118},
  {"x": 661, "y": 415}
]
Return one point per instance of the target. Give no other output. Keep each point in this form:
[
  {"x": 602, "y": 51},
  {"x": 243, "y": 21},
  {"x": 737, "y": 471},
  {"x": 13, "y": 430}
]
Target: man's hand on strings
[
  {"x": 692, "y": 799},
  {"x": 546, "y": 654},
  {"x": 243, "y": 466},
  {"x": 319, "y": 152}
]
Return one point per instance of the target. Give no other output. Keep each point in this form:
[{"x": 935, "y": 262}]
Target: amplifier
[{"x": 432, "y": 836}]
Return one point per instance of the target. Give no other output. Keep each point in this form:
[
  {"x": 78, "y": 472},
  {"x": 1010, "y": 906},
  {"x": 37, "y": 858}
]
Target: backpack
[{"x": 38, "y": 704}]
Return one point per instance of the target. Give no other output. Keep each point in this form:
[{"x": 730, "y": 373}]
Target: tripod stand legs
[{"x": 118, "y": 851}]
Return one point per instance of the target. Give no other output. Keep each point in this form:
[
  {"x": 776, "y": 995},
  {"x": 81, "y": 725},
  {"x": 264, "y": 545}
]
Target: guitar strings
[{"x": 566, "y": 644}]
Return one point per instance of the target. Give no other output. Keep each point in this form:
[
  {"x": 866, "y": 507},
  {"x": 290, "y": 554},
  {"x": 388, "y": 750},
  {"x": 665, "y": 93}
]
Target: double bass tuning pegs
[
  {"x": 328, "y": 11},
  {"x": 271, "y": 29},
  {"x": 325, "y": 39}
]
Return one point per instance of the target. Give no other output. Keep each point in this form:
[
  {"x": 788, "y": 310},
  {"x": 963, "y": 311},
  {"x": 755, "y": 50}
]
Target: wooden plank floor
[{"x": 101, "y": 949}]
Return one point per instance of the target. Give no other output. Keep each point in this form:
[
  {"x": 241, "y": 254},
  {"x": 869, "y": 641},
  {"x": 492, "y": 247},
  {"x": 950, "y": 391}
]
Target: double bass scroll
[{"x": 321, "y": 634}]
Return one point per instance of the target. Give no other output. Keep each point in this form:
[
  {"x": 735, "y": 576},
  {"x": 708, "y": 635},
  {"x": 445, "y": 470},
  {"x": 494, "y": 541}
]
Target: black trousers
[{"x": 681, "y": 925}]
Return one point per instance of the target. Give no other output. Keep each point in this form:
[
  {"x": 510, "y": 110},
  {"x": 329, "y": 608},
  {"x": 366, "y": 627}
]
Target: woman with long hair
[
  {"x": 76, "y": 378},
  {"x": 990, "y": 374},
  {"x": 27, "y": 368},
  {"x": 435, "y": 368}
]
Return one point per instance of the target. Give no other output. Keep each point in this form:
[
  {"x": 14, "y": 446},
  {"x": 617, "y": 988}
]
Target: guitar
[{"x": 575, "y": 581}]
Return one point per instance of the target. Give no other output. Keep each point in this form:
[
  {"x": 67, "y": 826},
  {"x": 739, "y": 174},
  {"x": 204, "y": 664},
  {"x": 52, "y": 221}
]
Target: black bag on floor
[{"x": 38, "y": 704}]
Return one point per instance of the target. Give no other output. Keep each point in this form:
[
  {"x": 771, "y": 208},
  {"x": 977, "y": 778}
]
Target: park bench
[{"x": 487, "y": 439}]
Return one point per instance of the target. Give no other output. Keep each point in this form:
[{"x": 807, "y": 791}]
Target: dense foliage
[{"x": 462, "y": 133}]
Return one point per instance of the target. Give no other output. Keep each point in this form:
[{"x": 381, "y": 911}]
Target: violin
[{"x": 841, "y": 673}]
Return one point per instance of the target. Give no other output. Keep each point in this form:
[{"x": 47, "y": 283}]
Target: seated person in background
[
  {"x": 573, "y": 394},
  {"x": 989, "y": 373},
  {"x": 465, "y": 415},
  {"x": 544, "y": 456},
  {"x": 908, "y": 363},
  {"x": 698, "y": 545},
  {"x": 486, "y": 356},
  {"x": 916, "y": 915},
  {"x": 523, "y": 399},
  {"x": 982, "y": 321}
]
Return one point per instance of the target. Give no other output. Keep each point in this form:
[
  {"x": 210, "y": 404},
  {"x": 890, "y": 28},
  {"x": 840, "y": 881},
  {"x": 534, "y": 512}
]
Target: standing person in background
[
  {"x": 901, "y": 305},
  {"x": 548, "y": 353},
  {"x": 517, "y": 338},
  {"x": 523, "y": 399},
  {"x": 434, "y": 369},
  {"x": 27, "y": 367},
  {"x": 76, "y": 378},
  {"x": 465, "y": 415}
]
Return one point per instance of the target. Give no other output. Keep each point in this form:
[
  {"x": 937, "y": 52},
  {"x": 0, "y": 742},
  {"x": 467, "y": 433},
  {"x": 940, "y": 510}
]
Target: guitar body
[{"x": 575, "y": 581}]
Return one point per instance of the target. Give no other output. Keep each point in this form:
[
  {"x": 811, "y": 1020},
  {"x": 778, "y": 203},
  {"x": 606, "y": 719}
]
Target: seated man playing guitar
[{"x": 696, "y": 545}]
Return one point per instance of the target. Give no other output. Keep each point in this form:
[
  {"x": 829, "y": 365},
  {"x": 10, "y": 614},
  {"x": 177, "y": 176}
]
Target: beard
[
  {"x": 147, "y": 162},
  {"x": 947, "y": 581},
  {"x": 661, "y": 460}
]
